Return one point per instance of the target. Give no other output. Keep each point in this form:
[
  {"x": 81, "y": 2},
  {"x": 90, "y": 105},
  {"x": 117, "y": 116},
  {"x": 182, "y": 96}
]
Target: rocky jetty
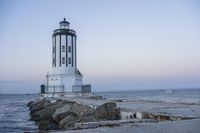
[{"x": 55, "y": 114}]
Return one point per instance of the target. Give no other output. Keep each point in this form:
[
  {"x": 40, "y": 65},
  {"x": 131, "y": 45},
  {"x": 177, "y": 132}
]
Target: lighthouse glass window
[
  {"x": 63, "y": 48},
  {"x": 63, "y": 60},
  {"x": 69, "y": 49},
  {"x": 69, "y": 60}
]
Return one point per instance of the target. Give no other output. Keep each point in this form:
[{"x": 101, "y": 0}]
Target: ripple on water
[{"x": 14, "y": 114}]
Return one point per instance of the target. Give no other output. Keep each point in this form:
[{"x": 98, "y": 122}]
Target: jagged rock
[
  {"x": 55, "y": 105},
  {"x": 65, "y": 108},
  {"x": 30, "y": 104},
  {"x": 47, "y": 125},
  {"x": 47, "y": 112},
  {"x": 39, "y": 105},
  {"x": 90, "y": 118},
  {"x": 47, "y": 104},
  {"x": 61, "y": 116},
  {"x": 68, "y": 102},
  {"x": 69, "y": 121},
  {"x": 82, "y": 110},
  {"x": 43, "y": 114},
  {"x": 108, "y": 111}
]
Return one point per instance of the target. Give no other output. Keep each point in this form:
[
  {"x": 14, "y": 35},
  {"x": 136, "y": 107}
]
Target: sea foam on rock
[{"x": 53, "y": 114}]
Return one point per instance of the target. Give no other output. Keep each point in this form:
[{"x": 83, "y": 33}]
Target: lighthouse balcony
[
  {"x": 63, "y": 31},
  {"x": 81, "y": 88},
  {"x": 55, "y": 89}
]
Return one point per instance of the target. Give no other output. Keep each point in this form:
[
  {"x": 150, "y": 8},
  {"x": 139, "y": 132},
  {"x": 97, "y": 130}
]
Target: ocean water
[
  {"x": 187, "y": 96},
  {"x": 14, "y": 113}
]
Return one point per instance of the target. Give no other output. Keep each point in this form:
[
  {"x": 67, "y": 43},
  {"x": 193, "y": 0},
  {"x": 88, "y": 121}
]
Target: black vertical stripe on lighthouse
[
  {"x": 75, "y": 51},
  {"x": 66, "y": 51},
  {"x": 52, "y": 51},
  {"x": 55, "y": 50},
  {"x": 72, "y": 45},
  {"x": 60, "y": 50}
]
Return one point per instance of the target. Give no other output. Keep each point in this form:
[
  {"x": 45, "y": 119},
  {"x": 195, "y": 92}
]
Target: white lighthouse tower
[{"x": 64, "y": 78}]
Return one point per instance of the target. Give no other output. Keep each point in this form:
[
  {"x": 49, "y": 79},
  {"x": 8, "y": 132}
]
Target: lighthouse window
[
  {"x": 69, "y": 60},
  {"x": 69, "y": 49},
  {"x": 63, "y": 48},
  {"x": 63, "y": 60}
]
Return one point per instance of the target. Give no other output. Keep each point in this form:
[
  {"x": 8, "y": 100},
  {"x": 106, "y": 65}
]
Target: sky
[{"x": 122, "y": 44}]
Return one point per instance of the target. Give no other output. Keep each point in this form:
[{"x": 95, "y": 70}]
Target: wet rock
[
  {"x": 46, "y": 112},
  {"x": 62, "y": 109},
  {"x": 68, "y": 102},
  {"x": 48, "y": 125},
  {"x": 82, "y": 110},
  {"x": 69, "y": 121},
  {"x": 90, "y": 118},
  {"x": 108, "y": 111},
  {"x": 43, "y": 114},
  {"x": 30, "y": 104},
  {"x": 39, "y": 105},
  {"x": 163, "y": 118},
  {"x": 61, "y": 116}
]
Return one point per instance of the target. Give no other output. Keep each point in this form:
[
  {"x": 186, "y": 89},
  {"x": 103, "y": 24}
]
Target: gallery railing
[
  {"x": 81, "y": 88},
  {"x": 54, "y": 89}
]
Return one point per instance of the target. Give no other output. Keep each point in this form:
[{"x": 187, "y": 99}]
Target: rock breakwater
[{"x": 55, "y": 114}]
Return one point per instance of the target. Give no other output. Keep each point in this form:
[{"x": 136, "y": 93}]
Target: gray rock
[
  {"x": 68, "y": 102},
  {"x": 69, "y": 121},
  {"x": 61, "y": 116},
  {"x": 108, "y": 111},
  {"x": 43, "y": 114},
  {"x": 39, "y": 105},
  {"x": 63, "y": 109},
  {"x": 48, "y": 125},
  {"x": 55, "y": 105},
  {"x": 30, "y": 104},
  {"x": 90, "y": 118},
  {"x": 82, "y": 110},
  {"x": 46, "y": 112}
]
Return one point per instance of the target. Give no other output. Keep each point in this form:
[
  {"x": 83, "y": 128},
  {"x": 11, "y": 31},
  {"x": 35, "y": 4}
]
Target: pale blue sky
[{"x": 122, "y": 44}]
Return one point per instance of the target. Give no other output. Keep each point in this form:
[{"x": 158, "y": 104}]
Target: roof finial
[{"x": 64, "y": 19}]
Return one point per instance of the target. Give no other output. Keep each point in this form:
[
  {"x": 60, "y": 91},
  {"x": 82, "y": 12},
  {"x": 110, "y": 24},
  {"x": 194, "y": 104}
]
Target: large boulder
[
  {"x": 48, "y": 125},
  {"x": 77, "y": 113},
  {"x": 43, "y": 114},
  {"x": 46, "y": 112},
  {"x": 39, "y": 105},
  {"x": 69, "y": 121},
  {"x": 61, "y": 116},
  {"x": 90, "y": 118},
  {"x": 108, "y": 111},
  {"x": 30, "y": 104},
  {"x": 62, "y": 112},
  {"x": 82, "y": 110}
]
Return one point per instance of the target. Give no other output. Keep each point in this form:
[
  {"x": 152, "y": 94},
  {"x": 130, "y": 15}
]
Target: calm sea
[
  {"x": 14, "y": 113},
  {"x": 189, "y": 96}
]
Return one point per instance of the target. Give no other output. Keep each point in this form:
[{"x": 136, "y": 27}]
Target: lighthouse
[{"x": 64, "y": 78}]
